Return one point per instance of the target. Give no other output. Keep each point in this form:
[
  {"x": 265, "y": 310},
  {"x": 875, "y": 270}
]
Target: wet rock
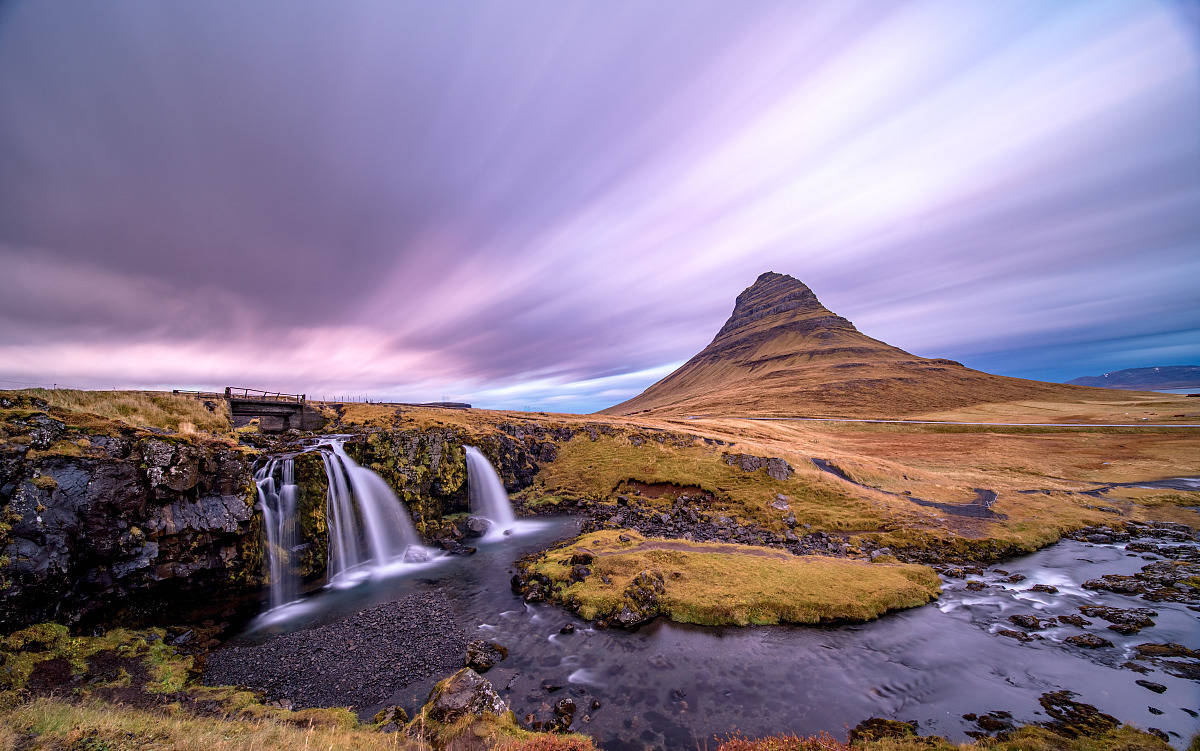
[
  {"x": 1100, "y": 539},
  {"x": 1014, "y": 578},
  {"x": 1074, "y": 619},
  {"x": 1166, "y": 650},
  {"x": 1157, "y": 688},
  {"x": 995, "y": 722},
  {"x": 464, "y": 693},
  {"x": 567, "y": 629},
  {"x": 1031, "y": 622},
  {"x": 1124, "y": 585},
  {"x": 1072, "y": 718},
  {"x": 1131, "y": 620},
  {"x": 551, "y": 686},
  {"x": 1013, "y": 634},
  {"x": 1154, "y": 710},
  {"x": 564, "y": 713},
  {"x": 878, "y": 728},
  {"x": 1088, "y": 641},
  {"x": 476, "y": 526},
  {"x": 390, "y": 716},
  {"x": 976, "y": 586},
  {"x": 1049, "y": 589},
  {"x": 483, "y": 655}
]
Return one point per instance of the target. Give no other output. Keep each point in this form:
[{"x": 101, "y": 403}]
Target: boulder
[
  {"x": 462, "y": 694},
  {"x": 476, "y": 526},
  {"x": 390, "y": 716},
  {"x": 1088, "y": 641},
  {"x": 483, "y": 655}
]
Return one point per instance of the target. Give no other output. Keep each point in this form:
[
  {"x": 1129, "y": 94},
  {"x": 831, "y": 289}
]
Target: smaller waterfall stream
[
  {"x": 278, "y": 501},
  {"x": 487, "y": 496}
]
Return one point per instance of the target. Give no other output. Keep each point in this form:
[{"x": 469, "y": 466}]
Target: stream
[{"x": 676, "y": 686}]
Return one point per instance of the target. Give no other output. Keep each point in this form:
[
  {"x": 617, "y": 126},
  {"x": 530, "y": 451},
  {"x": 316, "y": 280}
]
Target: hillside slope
[{"x": 783, "y": 353}]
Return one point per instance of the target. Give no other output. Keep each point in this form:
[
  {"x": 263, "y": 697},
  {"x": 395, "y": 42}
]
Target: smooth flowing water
[
  {"x": 487, "y": 495},
  {"x": 370, "y": 532},
  {"x": 277, "y": 498},
  {"x": 674, "y": 686}
]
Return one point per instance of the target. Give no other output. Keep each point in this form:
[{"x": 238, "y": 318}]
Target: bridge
[{"x": 274, "y": 410}]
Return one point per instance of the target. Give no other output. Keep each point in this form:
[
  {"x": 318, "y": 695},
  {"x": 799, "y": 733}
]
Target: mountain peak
[
  {"x": 784, "y": 353},
  {"x": 780, "y": 297}
]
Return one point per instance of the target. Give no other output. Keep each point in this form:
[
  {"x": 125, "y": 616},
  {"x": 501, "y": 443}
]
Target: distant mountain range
[
  {"x": 782, "y": 353},
  {"x": 1145, "y": 379}
]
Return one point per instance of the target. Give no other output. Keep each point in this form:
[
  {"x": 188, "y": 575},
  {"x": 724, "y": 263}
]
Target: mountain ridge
[
  {"x": 781, "y": 352},
  {"x": 1161, "y": 376}
]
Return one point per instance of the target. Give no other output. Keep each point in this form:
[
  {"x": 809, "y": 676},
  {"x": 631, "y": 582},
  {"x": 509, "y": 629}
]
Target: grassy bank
[
  {"x": 725, "y": 584},
  {"x": 141, "y": 409}
]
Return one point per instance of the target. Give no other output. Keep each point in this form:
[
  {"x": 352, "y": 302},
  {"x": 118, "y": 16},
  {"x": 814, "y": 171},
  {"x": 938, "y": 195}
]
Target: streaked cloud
[{"x": 551, "y": 205}]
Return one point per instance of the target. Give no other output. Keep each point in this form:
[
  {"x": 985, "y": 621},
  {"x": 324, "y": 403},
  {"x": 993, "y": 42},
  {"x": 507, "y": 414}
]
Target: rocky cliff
[{"x": 100, "y": 521}]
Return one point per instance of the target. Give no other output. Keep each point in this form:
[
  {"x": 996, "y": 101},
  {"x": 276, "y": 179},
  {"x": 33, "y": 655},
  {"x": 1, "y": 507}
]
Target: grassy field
[
  {"x": 142, "y": 409},
  {"x": 724, "y": 584}
]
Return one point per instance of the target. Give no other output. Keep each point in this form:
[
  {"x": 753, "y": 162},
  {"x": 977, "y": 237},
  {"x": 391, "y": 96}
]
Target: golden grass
[
  {"x": 143, "y": 409},
  {"x": 722, "y": 584},
  {"x": 54, "y": 724},
  {"x": 597, "y": 468}
]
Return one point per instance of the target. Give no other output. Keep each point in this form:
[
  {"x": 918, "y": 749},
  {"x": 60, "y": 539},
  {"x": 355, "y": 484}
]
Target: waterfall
[
  {"x": 368, "y": 527},
  {"x": 278, "y": 502},
  {"x": 487, "y": 495},
  {"x": 369, "y": 530}
]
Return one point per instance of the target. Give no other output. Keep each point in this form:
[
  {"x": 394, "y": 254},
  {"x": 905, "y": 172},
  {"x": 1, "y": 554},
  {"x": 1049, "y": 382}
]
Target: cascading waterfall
[
  {"x": 368, "y": 527},
  {"x": 487, "y": 496},
  {"x": 369, "y": 530},
  {"x": 278, "y": 502}
]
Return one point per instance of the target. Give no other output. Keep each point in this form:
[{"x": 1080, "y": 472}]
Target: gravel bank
[{"x": 357, "y": 661}]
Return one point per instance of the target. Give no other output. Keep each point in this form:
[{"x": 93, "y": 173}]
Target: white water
[
  {"x": 278, "y": 504},
  {"x": 369, "y": 530},
  {"x": 487, "y": 496},
  {"x": 370, "y": 533}
]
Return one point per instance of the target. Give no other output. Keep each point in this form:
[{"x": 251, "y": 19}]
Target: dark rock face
[{"x": 103, "y": 525}]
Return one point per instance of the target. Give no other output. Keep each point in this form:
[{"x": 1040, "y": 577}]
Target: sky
[{"x": 551, "y": 204}]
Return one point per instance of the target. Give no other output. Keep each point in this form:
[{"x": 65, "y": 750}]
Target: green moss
[
  {"x": 44, "y": 482},
  {"x": 311, "y": 509},
  {"x": 726, "y": 584}
]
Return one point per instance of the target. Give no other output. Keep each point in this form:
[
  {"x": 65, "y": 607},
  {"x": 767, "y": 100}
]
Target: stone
[
  {"x": 1049, "y": 589},
  {"x": 483, "y": 655},
  {"x": 1088, "y": 641},
  {"x": 1031, "y": 622},
  {"x": 1073, "y": 719},
  {"x": 476, "y": 526},
  {"x": 976, "y": 586},
  {"x": 579, "y": 573},
  {"x": 567, "y": 629},
  {"x": 464, "y": 693},
  {"x": 393, "y": 715},
  {"x": 1157, "y": 688}
]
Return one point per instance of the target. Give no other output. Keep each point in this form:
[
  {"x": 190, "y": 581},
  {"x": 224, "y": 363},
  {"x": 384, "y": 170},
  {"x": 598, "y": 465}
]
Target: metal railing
[{"x": 241, "y": 392}]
